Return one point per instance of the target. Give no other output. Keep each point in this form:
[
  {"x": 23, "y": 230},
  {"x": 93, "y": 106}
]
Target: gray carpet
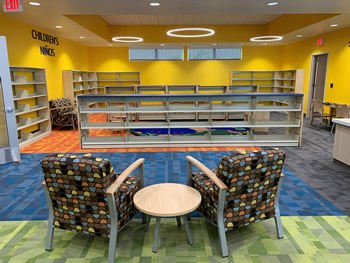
[{"x": 313, "y": 163}]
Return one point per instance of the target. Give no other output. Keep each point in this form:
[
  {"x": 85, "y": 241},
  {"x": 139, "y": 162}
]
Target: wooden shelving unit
[
  {"x": 278, "y": 81},
  {"x": 77, "y": 82},
  {"x": 174, "y": 104},
  {"x": 31, "y": 104}
]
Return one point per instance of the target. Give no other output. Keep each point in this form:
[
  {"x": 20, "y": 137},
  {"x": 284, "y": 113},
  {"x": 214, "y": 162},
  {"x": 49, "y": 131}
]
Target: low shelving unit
[
  {"x": 31, "y": 104},
  {"x": 175, "y": 105}
]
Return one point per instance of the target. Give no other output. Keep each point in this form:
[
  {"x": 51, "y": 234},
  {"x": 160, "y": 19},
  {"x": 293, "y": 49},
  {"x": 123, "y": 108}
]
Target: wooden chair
[
  {"x": 341, "y": 111},
  {"x": 317, "y": 111},
  {"x": 244, "y": 189},
  {"x": 85, "y": 195}
]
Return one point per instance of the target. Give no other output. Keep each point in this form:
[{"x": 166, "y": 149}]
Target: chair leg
[
  {"x": 112, "y": 244},
  {"x": 49, "y": 236},
  {"x": 332, "y": 127},
  {"x": 319, "y": 123},
  {"x": 144, "y": 218},
  {"x": 279, "y": 227},
  {"x": 178, "y": 219},
  {"x": 223, "y": 242}
]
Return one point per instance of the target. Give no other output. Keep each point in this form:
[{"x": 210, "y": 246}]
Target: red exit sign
[
  {"x": 320, "y": 42},
  {"x": 13, "y": 5}
]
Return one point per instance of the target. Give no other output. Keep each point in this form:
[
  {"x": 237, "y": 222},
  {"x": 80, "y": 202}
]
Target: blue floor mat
[{"x": 22, "y": 197}]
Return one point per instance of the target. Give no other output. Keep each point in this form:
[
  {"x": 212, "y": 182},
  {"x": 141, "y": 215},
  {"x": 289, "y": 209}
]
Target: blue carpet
[{"x": 22, "y": 198}]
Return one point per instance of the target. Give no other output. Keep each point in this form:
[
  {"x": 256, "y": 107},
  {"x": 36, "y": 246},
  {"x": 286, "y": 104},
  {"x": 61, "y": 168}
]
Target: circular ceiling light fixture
[
  {"x": 299, "y": 35},
  {"x": 334, "y": 25},
  {"x": 209, "y": 32},
  {"x": 272, "y": 3},
  {"x": 266, "y": 38},
  {"x": 59, "y": 26},
  {"x": 127, "y": 39}
]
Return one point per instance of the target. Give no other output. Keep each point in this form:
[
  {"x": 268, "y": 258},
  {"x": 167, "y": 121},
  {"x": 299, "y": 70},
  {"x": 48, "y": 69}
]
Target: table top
[
  {"x": 345, "y": 122},
  {"x": 167, "y": 199}
]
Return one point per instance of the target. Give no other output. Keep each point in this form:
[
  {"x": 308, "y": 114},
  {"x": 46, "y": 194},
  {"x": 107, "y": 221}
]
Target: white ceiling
[
  {"x": 199, "y": 19},
  {"x": 174, "y": 12}
]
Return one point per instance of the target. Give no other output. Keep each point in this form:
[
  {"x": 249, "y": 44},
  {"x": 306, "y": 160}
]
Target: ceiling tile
[
  {"x": 167, "y": 20},
  {"x": 131, "y": 19},
  {"x": 184, "y": 19},
  {"x": 203, "y": 19},
  {"x": 148, "y": 19},
  {"x": 221, "y": 20}
]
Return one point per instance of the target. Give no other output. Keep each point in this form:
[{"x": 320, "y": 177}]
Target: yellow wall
[
  {"x": 298, "y": 55},
  {"x": 206, "y": 72},
  {"x": 24, "y": 51}
]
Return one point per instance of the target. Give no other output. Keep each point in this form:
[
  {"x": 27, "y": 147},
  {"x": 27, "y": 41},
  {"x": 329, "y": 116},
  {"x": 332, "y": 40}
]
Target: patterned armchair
[
  {"x": 85, "y": 195},
  {"x": 62, "y": 113},
  {"x": 243, "y": 190}
]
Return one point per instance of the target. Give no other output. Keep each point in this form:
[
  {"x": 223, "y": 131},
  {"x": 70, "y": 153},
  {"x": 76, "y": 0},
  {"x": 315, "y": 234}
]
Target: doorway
[{"x": 318, "y": 76}]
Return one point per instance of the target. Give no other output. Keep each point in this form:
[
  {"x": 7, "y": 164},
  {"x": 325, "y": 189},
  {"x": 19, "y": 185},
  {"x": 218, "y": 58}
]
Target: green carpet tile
[{"x": 307, "y": 239}]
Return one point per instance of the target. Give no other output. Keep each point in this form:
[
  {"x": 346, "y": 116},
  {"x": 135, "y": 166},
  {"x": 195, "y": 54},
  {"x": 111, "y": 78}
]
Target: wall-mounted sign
[
  {"x": 12, "y": 5},
  {"x": 320, "y": 42},
  {"x": 46, "y": 50}
]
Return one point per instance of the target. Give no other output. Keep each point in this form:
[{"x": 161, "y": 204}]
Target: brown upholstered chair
[
  {"x": 244, "y": 189},
  {"x": 62, "y": 113},
  {"x": 85, "y": 195}
]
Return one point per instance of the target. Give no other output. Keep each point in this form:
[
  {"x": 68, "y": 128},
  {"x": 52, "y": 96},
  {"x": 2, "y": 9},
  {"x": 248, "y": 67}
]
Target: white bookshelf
[
  {"x": 31, "y": 104},
  {"x": 172, "y": 104}
]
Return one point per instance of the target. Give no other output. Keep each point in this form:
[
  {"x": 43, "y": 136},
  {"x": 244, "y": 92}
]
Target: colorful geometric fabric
[
  {"x": 319, "y": 239},
  {"x": 251, "y": 178},
  {"x": 62, "y": 112},
  {"x": 77, "y": 187}
]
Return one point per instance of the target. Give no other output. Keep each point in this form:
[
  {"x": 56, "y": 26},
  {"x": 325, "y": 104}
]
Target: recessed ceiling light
[
  {"x": 34, "y": 3},
  {"x": 59, "y": 26},
  {"x": 82, "y": 37},
  {"x": 266, "y": 38},
  {"x": 299, "y": 35},
  {"x": 209, "y": 32},
  {"x": 334, "y": 25},
  {"x": 214, "y": 44},
  {"x": 127, "y": 39},
  {"x": 154, "y": 4},
  {"x": 272, "y": 3},
  {"x": 162, "y": 44}
]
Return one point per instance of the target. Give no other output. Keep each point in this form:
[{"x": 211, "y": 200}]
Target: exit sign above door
[{"x": 13, "y": 5}]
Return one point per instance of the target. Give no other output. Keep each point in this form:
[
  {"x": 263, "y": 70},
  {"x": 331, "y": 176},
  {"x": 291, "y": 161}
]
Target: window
[
  {"x": 156, "y": 54},
  {"x": 214, "y": 53}
]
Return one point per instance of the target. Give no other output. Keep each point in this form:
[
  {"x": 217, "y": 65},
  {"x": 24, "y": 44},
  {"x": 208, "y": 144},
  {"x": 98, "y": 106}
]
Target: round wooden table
[{"x": 167, "y": 200}]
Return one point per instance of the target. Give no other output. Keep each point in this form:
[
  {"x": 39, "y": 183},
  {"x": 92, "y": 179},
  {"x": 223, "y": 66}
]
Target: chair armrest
[
  {"x": 121, "y": 178},
  {"x": 207, "y": 172}
]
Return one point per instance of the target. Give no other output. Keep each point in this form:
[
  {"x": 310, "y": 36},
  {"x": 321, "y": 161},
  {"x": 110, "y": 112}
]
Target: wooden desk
[
  {"x": 332, "y": 111},
  {"x": 341, "y": 150}
]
